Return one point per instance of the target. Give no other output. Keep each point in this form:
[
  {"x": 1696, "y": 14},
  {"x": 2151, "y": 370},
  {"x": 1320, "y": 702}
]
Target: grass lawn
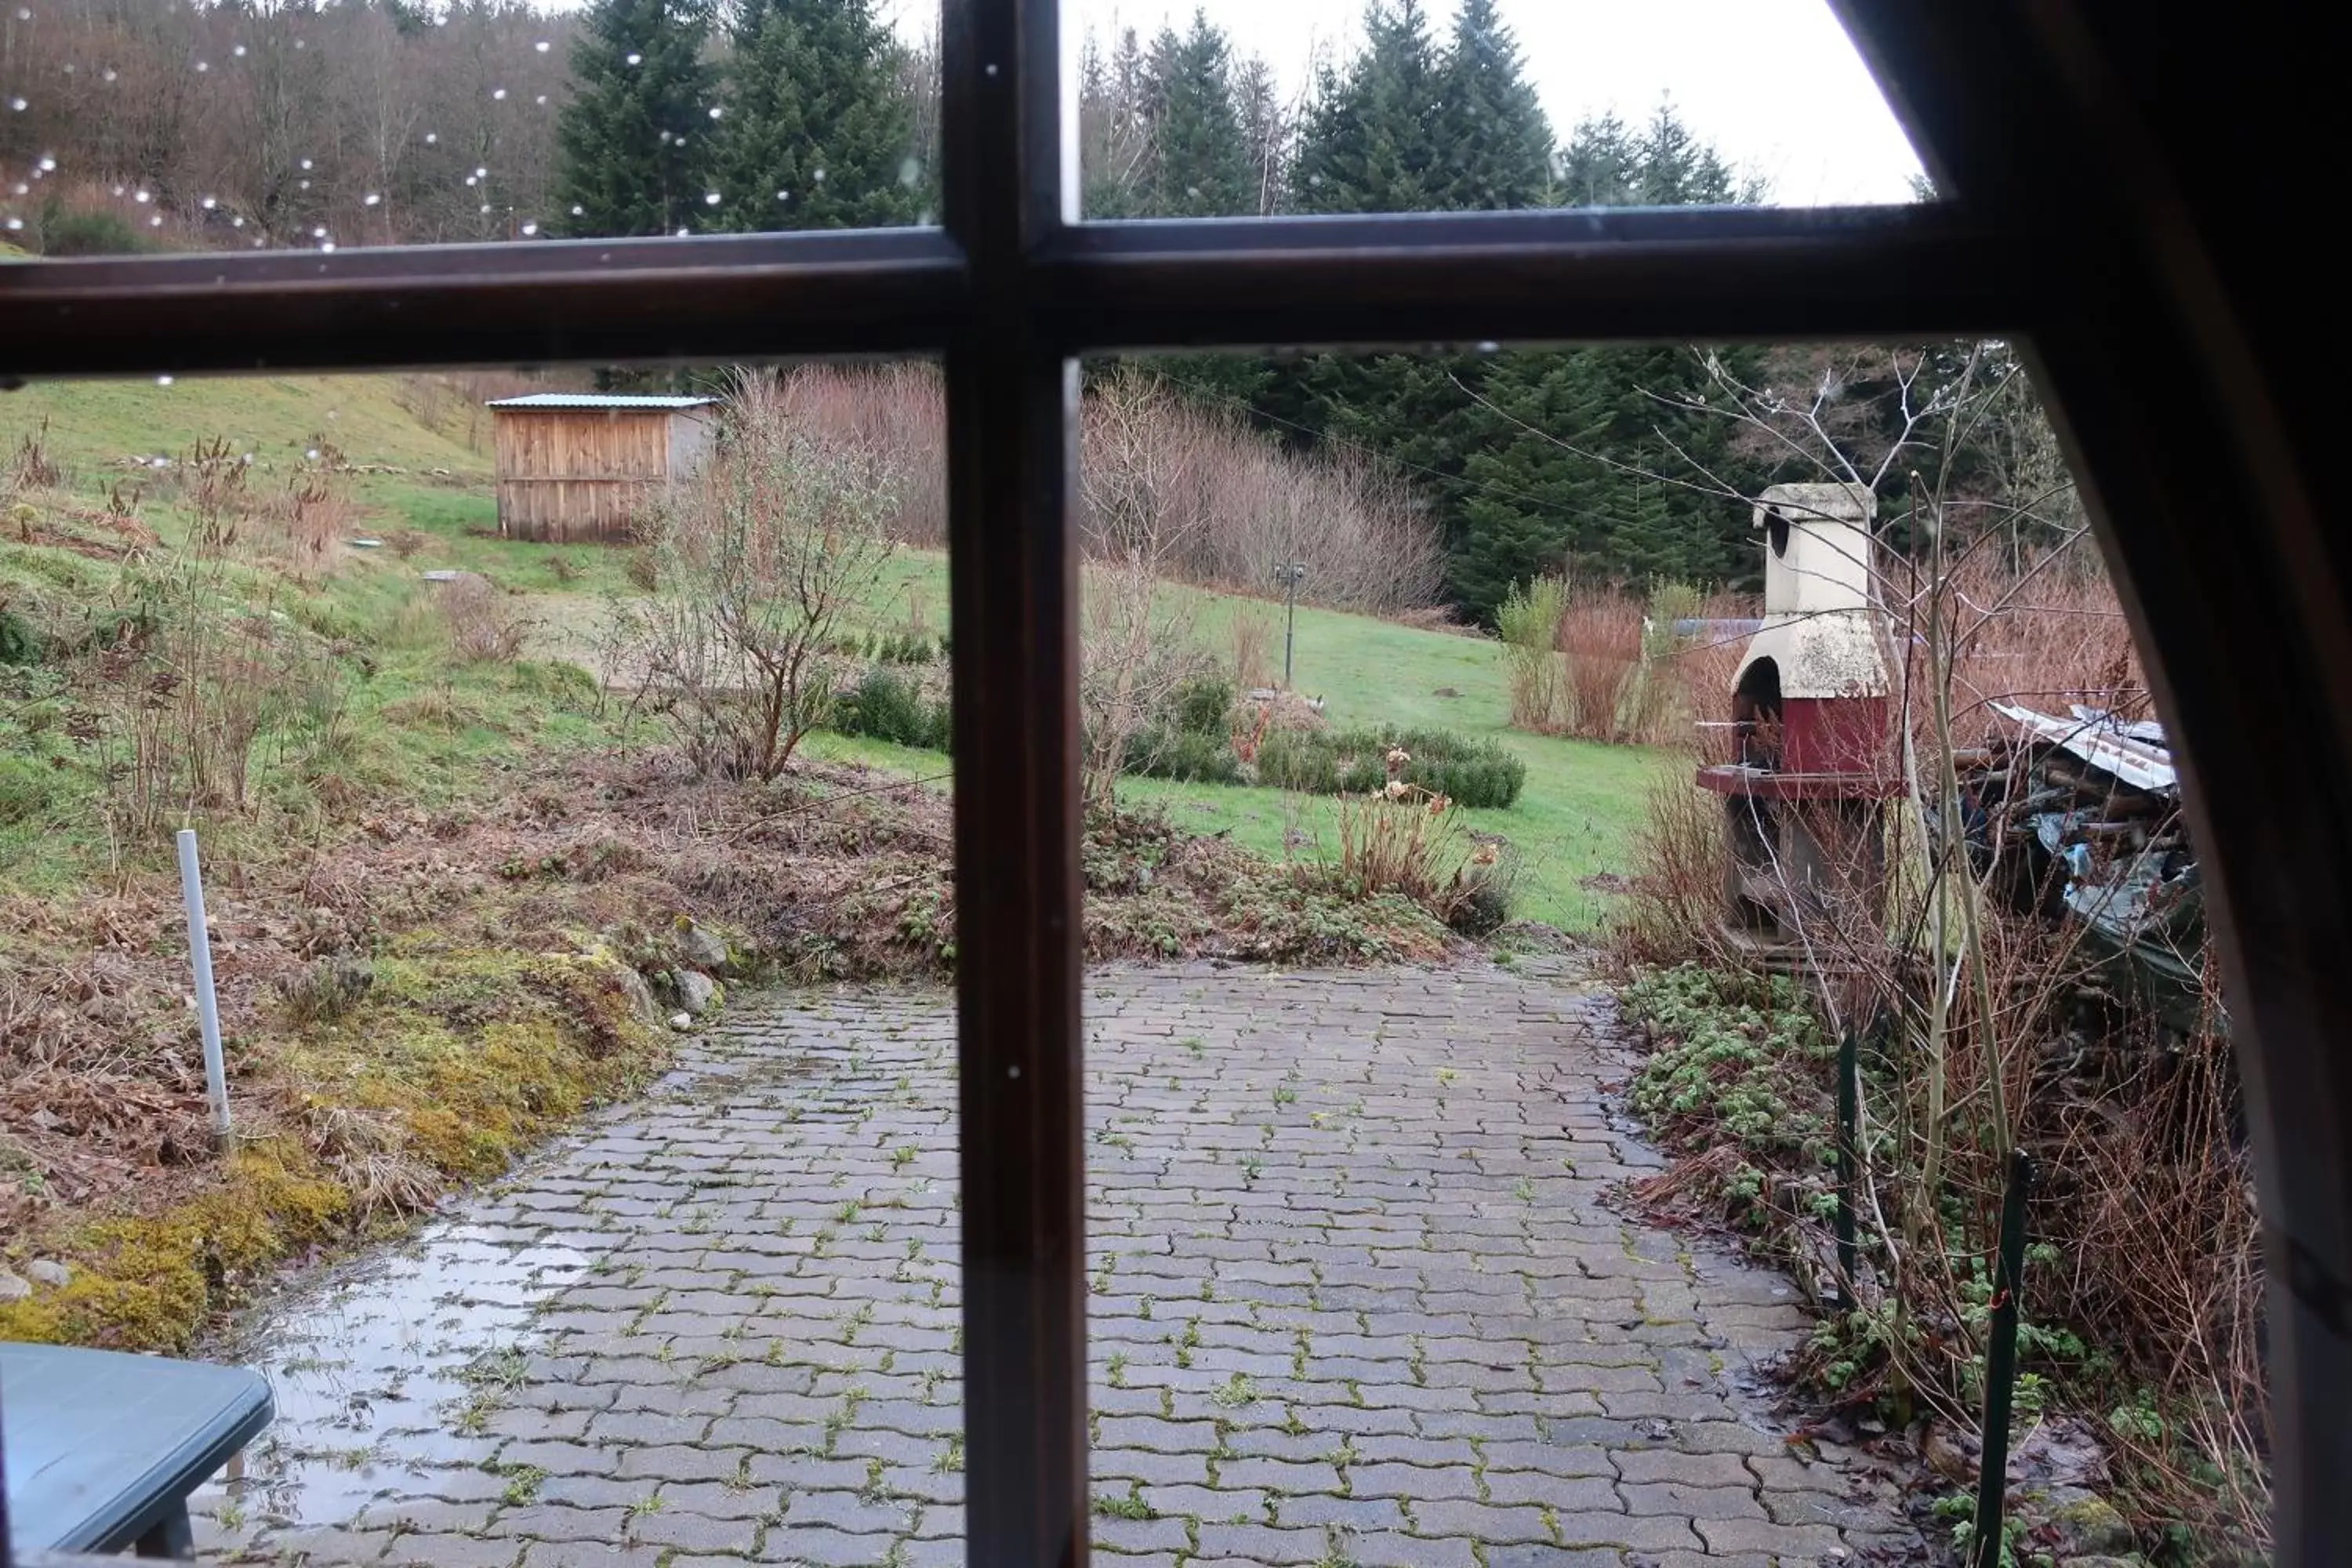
[{"x": 1577, "y": 816}]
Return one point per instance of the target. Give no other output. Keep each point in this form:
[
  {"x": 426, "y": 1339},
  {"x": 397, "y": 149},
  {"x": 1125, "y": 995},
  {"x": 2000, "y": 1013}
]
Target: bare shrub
[
  {"x": 32, "y": 467},
  {"x": 1601, "y": 637},
  {"x": 1137, "y": 652},
  {"x": 757, "y": 562},
  {"x": 901, "y": 409},
  {"x": 484, "y": 628},
  {"x": 1405, "y": 840},
  {"x": 1676, "y": 907},
  {"x": 1529, "y": 621},
  {"x": 316, "y": 508},
  {"x": 1241, "y": 507},
  {"x": 1249, "y": 634}
]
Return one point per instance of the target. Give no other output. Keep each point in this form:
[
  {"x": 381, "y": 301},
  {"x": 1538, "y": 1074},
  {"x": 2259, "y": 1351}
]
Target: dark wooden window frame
[{"x": 2079, "y": 232}]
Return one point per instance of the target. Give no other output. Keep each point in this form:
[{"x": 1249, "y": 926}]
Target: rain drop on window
[
  {"x": 683, "y": 231},
  {"x": 318, "y": 234},
  {"x": 20, "y": 188},
  {"x": 203, "y": 66},
  {"x": 471, "y": 181},
  {"x": 24, "y": 13},
  {"x": 716, "y": 112},
  {"x": 635, "y": 59},
  {"x": 579, "y": 211},
  {"x": 486, "y": 207},
  {"x": 330, "y": 245},
  {"x": 481, "y": 174},
  {"x": 303, "y": 184},
  {"x": 497, "y": 95},
  {"x": 143, "y": 197},
  {"x": 162, "y": 380},
  {"x": 306, "y": 163},
  {"x": 238, "y": 51},
  {"x": 910, "y": 171},
  {"x": 155, "y": 222},
  {"x": 540, "y": 100},
  {"x": 710, "y": 198},
  {"x": 15, "y": 223},
  {"x": 108, "y": 75},
  {"x": 528, "y": 230},
  {"x": 237, "y": 223},
  {"x": 208, "y": 203},
  {"x": 540, "y": 46},
  {"x": 432, "y": 137},
  {"x": 117, "y": 190},
  {"x": 47, "y": 164},
  {"x": 817, "y": 177},
  {"x": 371, "y": 199},
  {"x": 18, "y": 104}
]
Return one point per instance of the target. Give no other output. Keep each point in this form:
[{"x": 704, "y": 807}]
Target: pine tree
[
  {"x": 817, "y": 131},
  {"x": 1371, "y": 141},
  {"x": 1265, "y": 133},
  {"x": 1201, "y": 165},
  {"x": 634, "y": 142},
  {"x": 1497, "y": 144},
  {"x": 1115, "y": 142}
]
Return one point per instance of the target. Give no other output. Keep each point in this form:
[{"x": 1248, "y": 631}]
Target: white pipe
[{"x": 200, "y": 954}]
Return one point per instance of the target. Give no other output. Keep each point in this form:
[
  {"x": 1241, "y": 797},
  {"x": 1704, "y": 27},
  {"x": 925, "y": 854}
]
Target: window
[{"x": 1010, "y": 291}]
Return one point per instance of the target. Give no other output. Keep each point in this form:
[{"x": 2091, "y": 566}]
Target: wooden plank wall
[{"x": 571, "y": 475}]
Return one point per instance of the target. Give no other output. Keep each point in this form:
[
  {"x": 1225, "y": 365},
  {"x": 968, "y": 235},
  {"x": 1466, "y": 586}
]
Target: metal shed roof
[{"x": 598, "y": 400}]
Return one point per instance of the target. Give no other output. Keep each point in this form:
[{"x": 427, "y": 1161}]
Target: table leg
[{"x": 170, "y": 1536}]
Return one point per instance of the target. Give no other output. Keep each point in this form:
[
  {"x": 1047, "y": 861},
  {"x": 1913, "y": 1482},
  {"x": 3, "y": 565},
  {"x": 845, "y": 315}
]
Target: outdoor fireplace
[{"x": 1809, "y": 765}]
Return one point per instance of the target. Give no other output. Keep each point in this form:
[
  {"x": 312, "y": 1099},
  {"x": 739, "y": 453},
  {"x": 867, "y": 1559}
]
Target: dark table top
[{"x": 100, "y": 1447}]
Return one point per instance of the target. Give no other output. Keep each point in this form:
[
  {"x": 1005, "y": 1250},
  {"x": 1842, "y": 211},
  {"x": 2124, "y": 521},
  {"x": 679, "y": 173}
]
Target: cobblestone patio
[{"x": 1356, "y": 1300}]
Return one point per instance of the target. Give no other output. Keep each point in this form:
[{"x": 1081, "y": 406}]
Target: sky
[{"x": 1775, "y": 84}]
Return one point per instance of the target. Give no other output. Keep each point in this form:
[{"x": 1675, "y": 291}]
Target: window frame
[{"x": 1009, "y": 293}]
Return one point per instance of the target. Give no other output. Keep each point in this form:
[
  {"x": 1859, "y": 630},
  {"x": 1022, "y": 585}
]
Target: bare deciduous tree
[{"x": 756, "y": 565}]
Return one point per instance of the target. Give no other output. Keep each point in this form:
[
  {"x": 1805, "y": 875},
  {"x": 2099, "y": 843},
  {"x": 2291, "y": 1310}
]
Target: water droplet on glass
[
  {"x": 716, "y": 112},
  {"x": 24, "y": 13},
  {"x": 540, "y": 100},
  {"x": 784, "y": 195},
  {"x": 909, "y": 171},
  {"x": 15, "y": 223},
  {"x": 683, "y": 231},
  {"x": 155, "y": 222},
  {"x": 636, "y": 59},
  {"x": 432, "y": 137},
  {"x": 1490, "y": 347},
  {"x": 1193, "y": 192},
  {"x": 143, "y": 197},
  {"x": 208, "y": 203},
  {"x": 203, "y": 66},
  {"x": 318, "y": 234},
  {"x": 18, "y": 104},
  {"x": 991, "y": 70},
  {"x": 312, "y": 455},
  {"x": 21, "y": 188},
  {"x": 238, "y": 51},
  {"x": 471, "y": 181},
  {"x": 528, "y": 230},
  {"x": 237, "y": 223},
  {"x": 579, "y": 211},
  {"x": 117, "y": 190},
  {"x": 481, "y": 174},
  {"x": 486, "y": 208},
  {"x": 497, "y": 95},
  {"x": 107, "y": 75},
  {"x": 541, "y": 46},
  {"x": 306, "y": 163},
  {"x": 817, "y": 177},
  {"x": 47, "y": 163},
  {"x": 162, "y": 380},
  {"x": 303, "y": 185},
  {"x": 710, "y": 198},
  {"x": 328, "y": 245},
  {"x": 371, "y": 199}
]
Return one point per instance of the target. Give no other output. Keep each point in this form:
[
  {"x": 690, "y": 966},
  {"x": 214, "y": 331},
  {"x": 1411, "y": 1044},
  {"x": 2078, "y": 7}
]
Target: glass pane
[
  {"x": 1229, "y": 107},
  {"x": 147, "y": 126},
  {"x": 587, "y": 1038},
  {"x": 1581, "y": 741}
]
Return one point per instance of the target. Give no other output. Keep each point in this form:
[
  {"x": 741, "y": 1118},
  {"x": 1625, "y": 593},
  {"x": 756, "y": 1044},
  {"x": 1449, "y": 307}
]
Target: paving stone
[{"x": 1390, "y": 1320}]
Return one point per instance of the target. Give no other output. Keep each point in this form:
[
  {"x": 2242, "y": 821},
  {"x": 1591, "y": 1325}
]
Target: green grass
[{"x": 1576, "y": 817}]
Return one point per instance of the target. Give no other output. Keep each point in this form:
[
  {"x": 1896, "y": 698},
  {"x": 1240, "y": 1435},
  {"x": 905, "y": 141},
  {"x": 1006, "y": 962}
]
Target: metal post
[
  {"x": 2001, "y": 1365},
  {"x": 200, "y": 956},
  {"x": 1849, "y": 1109},
  {"x": 1292, "y": 570}
]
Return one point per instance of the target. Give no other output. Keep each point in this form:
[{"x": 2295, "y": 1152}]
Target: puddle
[{"x": 382, "y": 1369}]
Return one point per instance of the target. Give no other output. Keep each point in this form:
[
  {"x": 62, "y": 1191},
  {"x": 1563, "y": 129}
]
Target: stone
[
  {"x": 11, "y": 1288},
  {"x": 2086, "y": 1525},
  {"x": 698, "y": 992},
  {"x": 681, "y": 1021},
  {"x": 702, "y": 947},
  {"x": 642, "y": 1001},
  {"x": 49, "y": 1271}
]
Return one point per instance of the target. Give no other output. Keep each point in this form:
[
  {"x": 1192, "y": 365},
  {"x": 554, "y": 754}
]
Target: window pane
[
  {"x": 475, "y": 691},
  {"x": 1332, "y": 106},
  {"x": 150, "y": 126},
  {"x": 1534, "y": 693}
]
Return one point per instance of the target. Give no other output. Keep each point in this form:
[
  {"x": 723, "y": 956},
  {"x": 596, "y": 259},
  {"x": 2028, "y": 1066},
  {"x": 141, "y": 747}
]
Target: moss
[{"x": 468, "y": 1057}]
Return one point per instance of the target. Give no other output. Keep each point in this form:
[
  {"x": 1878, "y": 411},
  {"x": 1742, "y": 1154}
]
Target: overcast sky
[{"x": 1775, "y": 84}]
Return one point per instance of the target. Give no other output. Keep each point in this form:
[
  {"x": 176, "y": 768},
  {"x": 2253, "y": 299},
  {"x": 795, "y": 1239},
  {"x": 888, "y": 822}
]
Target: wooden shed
[{"x": 585, "y": 467}]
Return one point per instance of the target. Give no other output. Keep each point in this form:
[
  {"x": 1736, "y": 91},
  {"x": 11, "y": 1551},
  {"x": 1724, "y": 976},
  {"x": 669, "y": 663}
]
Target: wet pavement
[{"x": 1356, "y": 1298}]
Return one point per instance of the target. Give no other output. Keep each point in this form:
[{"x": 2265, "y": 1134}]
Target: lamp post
[{"x": 1289, "y": 575}]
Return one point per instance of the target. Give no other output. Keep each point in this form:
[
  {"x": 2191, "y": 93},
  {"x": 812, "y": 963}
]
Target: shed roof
[{"x": 598, "y": 400}]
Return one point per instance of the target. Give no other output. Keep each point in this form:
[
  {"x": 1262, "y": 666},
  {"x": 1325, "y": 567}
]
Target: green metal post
[
  {"x": 1849, "y": 1071},
  {"x": 2001, "y": 1365}
]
